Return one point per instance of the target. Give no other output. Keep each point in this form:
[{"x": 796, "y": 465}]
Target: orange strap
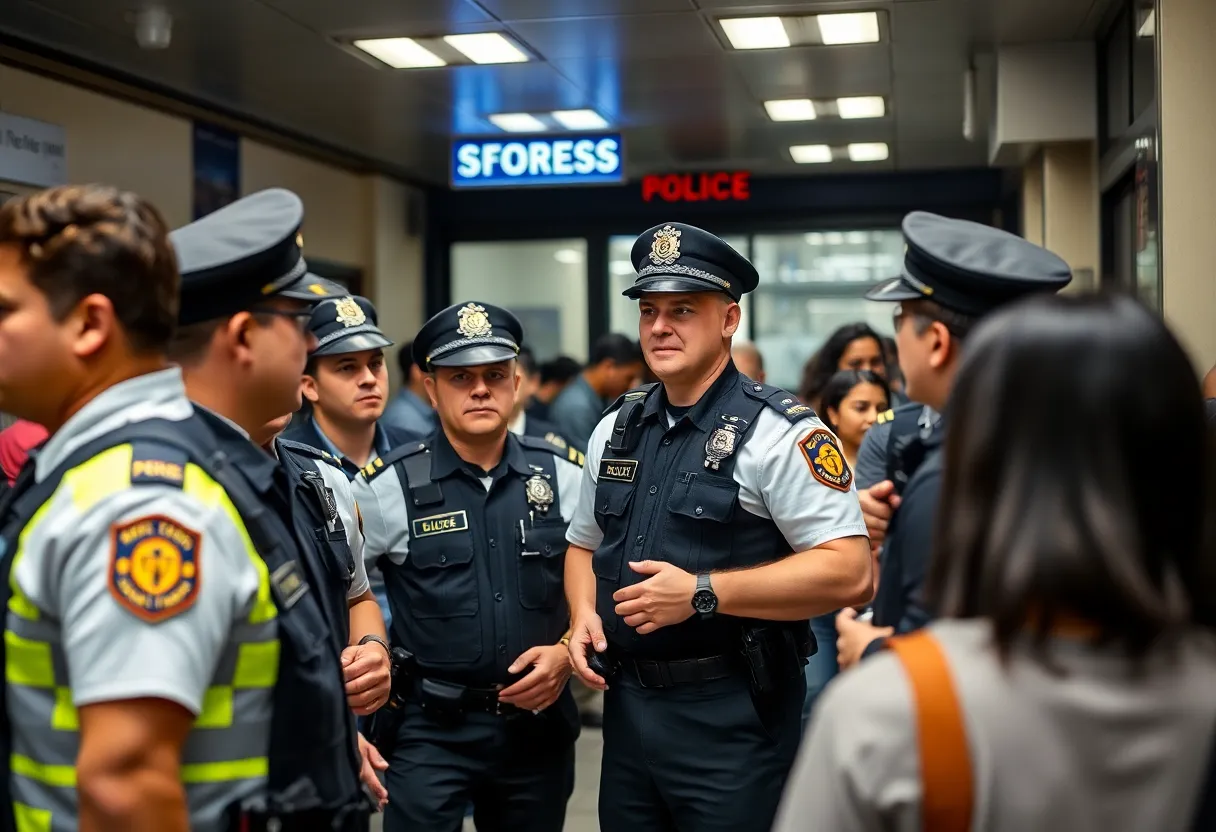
[{"x": 945, "y": 761}]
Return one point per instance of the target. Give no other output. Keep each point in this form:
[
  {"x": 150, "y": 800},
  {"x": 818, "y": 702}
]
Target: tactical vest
[
  {"x": 670, "y": 495},
  {"x": 310, "y": 761},
  {"x": 912, "y": 425},
  {"x": 469, "y": 599}
]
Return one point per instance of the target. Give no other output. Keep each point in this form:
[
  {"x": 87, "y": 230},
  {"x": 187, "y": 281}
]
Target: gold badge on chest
[{"x": 539, "y": 492}]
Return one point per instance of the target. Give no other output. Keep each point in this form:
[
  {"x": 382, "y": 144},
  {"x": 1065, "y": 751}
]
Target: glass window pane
[
  {"x": 812, "y": 283},
  {"x": 544, "y": 282},
  {"x": 623, "y": 312},
  {"x": 1144, "y": 58}
]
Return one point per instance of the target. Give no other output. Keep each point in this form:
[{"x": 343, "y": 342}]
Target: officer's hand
[
  {"x": 368, "y": 674},
  {"x": 878, "y": 503},
  {"x": 661, "y": 600},
  {"x": 853, "y": 637},
  {"x": 373, "y": 762},
  {"x": 540, "y": 688},
  {"x": 586, "y": 632}
]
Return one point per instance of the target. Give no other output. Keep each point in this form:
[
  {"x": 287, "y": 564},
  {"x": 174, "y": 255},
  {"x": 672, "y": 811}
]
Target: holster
[
  {"x": 382, "y": 726},
  {"x": 774, "y": 654}
]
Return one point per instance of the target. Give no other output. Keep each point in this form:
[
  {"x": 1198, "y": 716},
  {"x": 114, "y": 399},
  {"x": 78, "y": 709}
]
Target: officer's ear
[
  {"x": 92, "y": 323},
  {"x": 732, "y": 317},
  {"x": 308, "y": 386},
  {"x": 428, "y": 383},
  {"x": 236, "y": 333},
  {"x": 943, "y": 345}
]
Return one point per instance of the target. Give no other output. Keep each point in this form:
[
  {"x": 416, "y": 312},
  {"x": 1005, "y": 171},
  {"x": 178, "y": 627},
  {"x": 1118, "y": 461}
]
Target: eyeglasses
[{"x": 300, "y": 316}]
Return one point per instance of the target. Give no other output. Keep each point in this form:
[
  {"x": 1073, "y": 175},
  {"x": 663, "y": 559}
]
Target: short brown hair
[{"x": 79, "y": 240}]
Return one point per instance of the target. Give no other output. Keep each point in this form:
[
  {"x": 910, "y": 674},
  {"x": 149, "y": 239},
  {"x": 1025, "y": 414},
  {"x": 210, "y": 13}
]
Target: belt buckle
[{"x": 662, "y": 669}]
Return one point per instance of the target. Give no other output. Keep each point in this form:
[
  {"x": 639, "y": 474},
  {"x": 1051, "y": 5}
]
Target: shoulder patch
[
  {"x": 381, "y": 464},
  {"x": 155, "y": 463},
  {"x": 556, "y": 440},
  {"x": 636, "y": 393},
  {"x": 300, "y": 449},
  {"x": 784, "y": 402},
  {"x": 154, "y": 567},
  {"x": 885, "y": 416},
  {"x": 825, "y": 460},
  {"x": 576, "y": 456}
]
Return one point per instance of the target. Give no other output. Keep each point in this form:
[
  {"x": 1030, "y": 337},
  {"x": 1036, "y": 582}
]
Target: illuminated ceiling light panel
[
  {"x": 811, "y": 154},
  {"x": 868, "y": 152},
  {"x": 517, "y": 123},
  {"x": 867, "y": 106},
  {"x": 856, "y": 27},
  {"x": 579, "y": 119},
  {"x": 791, "y": 109},
  {"x": 755, "y": 32},
  {"x": 486, "y": 48},
  {"x": 400, "y": 53}
]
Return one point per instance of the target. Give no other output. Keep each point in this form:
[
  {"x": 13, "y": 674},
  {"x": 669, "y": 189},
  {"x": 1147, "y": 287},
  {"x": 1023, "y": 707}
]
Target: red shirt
[{"x": 15, "y": 444}]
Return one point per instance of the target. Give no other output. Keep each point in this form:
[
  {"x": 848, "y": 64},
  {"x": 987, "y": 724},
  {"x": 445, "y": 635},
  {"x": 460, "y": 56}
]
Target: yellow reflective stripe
[
  {"x": 209, "y": 492},
  {"x": 48, "y": 775},
  {"x": 217, "y": 708},
  {"x": 222, "y": 772},
  {"x": 30, "y": 819},
  {"x": 64, "y": 717},
  {"x": 27, "y": 662},
  {"x": 257, "y": 665},
  {"x": 102, "y": 476}
]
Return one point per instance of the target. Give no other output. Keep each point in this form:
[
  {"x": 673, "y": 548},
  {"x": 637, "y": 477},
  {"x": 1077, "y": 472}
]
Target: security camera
[{"x": 153, "y": 28}]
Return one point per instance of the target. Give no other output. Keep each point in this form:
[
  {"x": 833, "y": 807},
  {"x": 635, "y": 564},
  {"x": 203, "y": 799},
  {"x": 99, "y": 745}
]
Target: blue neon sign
[{"x": 517, "y": 161}]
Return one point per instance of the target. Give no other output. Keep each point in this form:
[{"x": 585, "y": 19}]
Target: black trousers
[
  {"x": 696, "y": 758},
  {"x": 518, "y": 773}
]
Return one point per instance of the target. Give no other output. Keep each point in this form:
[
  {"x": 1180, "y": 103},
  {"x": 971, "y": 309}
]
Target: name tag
[
  {"x": 452, "y": 521},
  {"x": 621, "y": 470}
]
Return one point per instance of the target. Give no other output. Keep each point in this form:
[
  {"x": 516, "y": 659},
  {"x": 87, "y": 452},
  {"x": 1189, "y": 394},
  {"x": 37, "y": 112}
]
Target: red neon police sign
[{"x": 697, "y": 187}]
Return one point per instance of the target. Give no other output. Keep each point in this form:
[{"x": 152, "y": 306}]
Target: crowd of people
[{"x": 942, "y": 586}]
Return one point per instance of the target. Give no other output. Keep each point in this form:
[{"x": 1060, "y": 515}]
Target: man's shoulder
[
  {"x": 536, "y": 443},
  {"x": 305, "y": 453},
  {"x": 385, "y": 462},
  {"x": 629, "y": 396}
]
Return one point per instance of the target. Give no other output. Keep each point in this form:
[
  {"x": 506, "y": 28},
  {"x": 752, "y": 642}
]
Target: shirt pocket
[
  {"x": 700, "y": 508},
  {"x": 542, "y": 560}
]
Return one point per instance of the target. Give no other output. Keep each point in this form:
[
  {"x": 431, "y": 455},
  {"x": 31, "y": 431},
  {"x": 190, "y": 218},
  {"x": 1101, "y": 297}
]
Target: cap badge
[
  {"x": 300, "y": 241},
  {"x": 474, "y": 322},
  {"x": 665, "y": 249},
  {"x": 349, "y": 312}
]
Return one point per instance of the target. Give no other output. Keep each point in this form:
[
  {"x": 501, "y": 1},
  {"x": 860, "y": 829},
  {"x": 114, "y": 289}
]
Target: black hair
[
  {"x": 527, "y": 361},
  {"x": 823, "y": 364},
  {"x": 405, "y": 360},
  {"x": 890, "y": 357},
  {"x": 619, "y": 349},
  {"x": 1076, "y": 480},
  {"x": 561, "y": 369},
  {"x": 840, "y": 385}
]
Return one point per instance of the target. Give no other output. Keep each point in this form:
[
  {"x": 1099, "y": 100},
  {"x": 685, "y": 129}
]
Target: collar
[
  {"x": 519, "y": 424},
  {"x": 258, "y": 466},
  {"x": 445, "y": 461},
  {"x": 156, "y": 395},
  {"x": 704, "y": 413}
]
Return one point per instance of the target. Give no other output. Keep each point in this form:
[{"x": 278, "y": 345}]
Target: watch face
[{"x": 705, "y": 601}]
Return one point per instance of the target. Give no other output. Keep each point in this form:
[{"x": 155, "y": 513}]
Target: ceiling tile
[
  {"x": 512, "y": 10},
  {"x": 820, "y": 71},
  {"x": 627, "y": 37},
  {"x": 415, "y": 17}
]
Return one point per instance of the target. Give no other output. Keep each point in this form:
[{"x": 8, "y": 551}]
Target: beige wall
[
  {"x": 394, "y": 275},
  {"x": 1071, "y": 225},
  {"x": 1185, "y": 30},
  {"x": 1032, "y": 200}
]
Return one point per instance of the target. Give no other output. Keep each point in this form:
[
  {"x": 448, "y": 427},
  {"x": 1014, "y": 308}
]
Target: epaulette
[
  {"x": 570, "y": 454},
  {"x": 775, "y": 398},
  {"x": 885, "y": 416},
  {"x": 382, "y": 463},
  {"x": 300, "y": 449},
  {"x": 155, "y": 463},
  {"x": 636, "y": 393}
]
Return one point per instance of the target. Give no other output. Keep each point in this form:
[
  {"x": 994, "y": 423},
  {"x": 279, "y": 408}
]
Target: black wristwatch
[
  {"x": 378, "y": 640},
  {"x": 704, "y": 600}
]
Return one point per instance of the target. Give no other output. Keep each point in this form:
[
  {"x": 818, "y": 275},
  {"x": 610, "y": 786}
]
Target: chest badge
[
  {"x": 539, "y": 493},
  {"x": 720, "y": 445}
]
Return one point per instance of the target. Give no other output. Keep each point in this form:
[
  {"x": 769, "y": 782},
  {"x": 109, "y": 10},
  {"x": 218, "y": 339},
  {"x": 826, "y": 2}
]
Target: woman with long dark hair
[
  {"x": 850, "y": 347},
  {"x": 1074, "y": 669}
]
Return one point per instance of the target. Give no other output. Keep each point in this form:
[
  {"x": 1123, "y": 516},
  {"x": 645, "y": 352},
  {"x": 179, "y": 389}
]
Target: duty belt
[
  {"x": 448, "y": 699},
  {"x": 654, "y": 673}
]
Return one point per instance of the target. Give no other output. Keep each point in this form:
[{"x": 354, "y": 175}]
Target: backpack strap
[{"x": 947, "y": 791}]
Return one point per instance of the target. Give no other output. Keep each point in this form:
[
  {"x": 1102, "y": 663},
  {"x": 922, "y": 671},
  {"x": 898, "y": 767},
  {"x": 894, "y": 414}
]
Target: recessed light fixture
[
  {"x": 579, "y": 119},
  {"x": 856, "y": 27},
  {"x": 866, "y": 106},
  {"x": 811, "y": 154},
  {"x": 868, "y": 152},
  {"x": 400, "y": 53},
  {"x": 568, "y": 256},
  {"x": 486, "y": 48},
  {"x": 755, "y": 32},
  {"x": 518, "y": 123},
  {"x": 791, "y": 109}
]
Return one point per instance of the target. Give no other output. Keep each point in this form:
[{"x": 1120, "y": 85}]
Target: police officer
[
  {"x": 523, "y": 423},
  {"x": 242, "y": 359},
  {"x": 718, "y": 515},
  {"x": 149, "y": 641},
  {"x": 893, "y": 447},
  {"x": 470, "y": 526},
  {"x": 954, "y": 273}
]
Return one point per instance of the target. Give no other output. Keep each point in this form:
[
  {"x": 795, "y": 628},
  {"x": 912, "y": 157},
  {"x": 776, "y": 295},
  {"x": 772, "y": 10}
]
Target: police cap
[
  {"x": 968, "y": 267},
  {"x": 674, "y": 257},
  {"x": 245, "y": 252},
  {"x": 347, "y": 324},
  {"x": 468, "y": 335}
]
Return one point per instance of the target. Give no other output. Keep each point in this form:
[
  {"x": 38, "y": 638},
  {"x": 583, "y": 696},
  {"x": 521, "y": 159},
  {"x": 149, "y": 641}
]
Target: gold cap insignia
[
  {"x": 474, "y": 322},
  {"x": 350, "y": 313},
  {"x": 665, "y": 249},
  {"x": 300, "y": 241}
]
